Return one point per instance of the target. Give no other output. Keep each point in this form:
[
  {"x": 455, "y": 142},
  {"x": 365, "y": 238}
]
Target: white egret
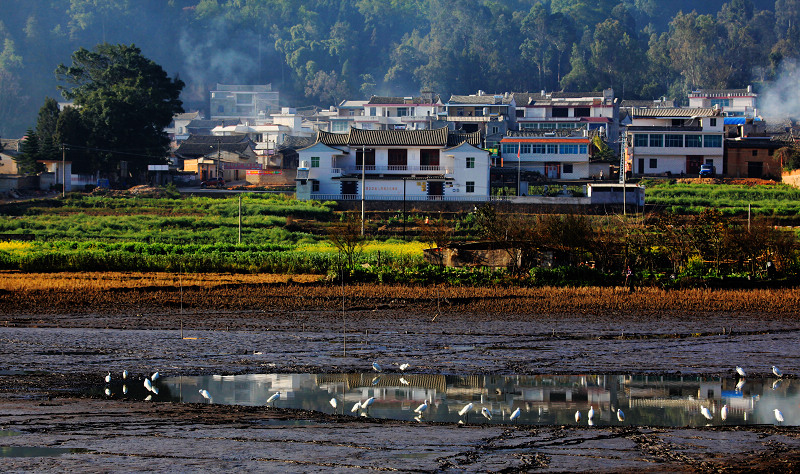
[
  {"x": 124, "y": 374},
  {"x": 578, "y": 416},
  {"x": 333, "y": 402},
  {"x": 514, "y": 415},
  {"x": 465, "y": 410},
  {"x": 204, "y": 393},
  {"x": 590, "y": 422},
  {"x": 486, "y": 413},
  {"x": 404, "y": 367},
  {"x": 706, "y": 413},
  {"x": 108, "y": 392},
  {"x": 155, "y": 376},
  {"x": 740, "y": 371},
  {"x": 777, "y": 371},
  {"x": 739, "y": 385},
  {"x": 148, "y": 385},
  {"x": 148, "y": 398},
  {"x": 369, "y": 401},
  {"x": 124, "y": 389},
  {"x": 108, "y": 377},
  {"x": 620, "y": 415},
  {"x": 776, "y": 384},
  {"x": 274, "y": 397},
  {"x": 403, "y": 381},
  {"x": 724, "y": 412},
  {"x": 591, "y": 413},
  {"x": 376, "y": 367},
  {"x": 422, "y": 407},
  {"x": 778, "y": 416},
  {"x": 356, "y": 407}
]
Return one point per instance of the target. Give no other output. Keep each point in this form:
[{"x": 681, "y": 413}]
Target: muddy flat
[{"x": 57, "y": 343}]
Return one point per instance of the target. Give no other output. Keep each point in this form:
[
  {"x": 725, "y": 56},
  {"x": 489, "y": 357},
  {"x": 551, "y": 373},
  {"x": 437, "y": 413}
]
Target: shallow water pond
[{"x": 540, "y": 400}]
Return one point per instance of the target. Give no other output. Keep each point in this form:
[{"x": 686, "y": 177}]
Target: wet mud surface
[{"x": 53, "y": 356}]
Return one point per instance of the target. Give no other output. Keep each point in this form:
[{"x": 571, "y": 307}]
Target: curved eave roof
[{"x": 434, "y": 137}]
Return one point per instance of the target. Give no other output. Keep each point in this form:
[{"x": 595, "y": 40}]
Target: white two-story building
[
  {"x": 554, "y": 155},
  {"x": 673, "y": 140},
  {"x": 434, "y": 164}
]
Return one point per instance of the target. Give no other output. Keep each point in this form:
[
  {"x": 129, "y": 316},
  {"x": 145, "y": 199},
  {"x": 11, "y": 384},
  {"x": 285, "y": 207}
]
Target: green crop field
[{"x": 730, "y": 199}]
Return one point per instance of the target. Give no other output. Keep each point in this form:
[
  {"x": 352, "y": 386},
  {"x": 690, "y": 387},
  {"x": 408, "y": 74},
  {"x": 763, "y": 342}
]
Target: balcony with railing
[{"x": 401, "y": 169}]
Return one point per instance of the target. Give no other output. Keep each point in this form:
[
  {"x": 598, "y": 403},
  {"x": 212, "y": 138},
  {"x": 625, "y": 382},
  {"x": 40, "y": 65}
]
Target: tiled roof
[
  {"x": 292, "y": 142},
  {"x": 202, "y": 145},
  {"x": 646, "y": 103},
  {"x": 457, "y": 138},
  {"x": 186, "y": 116},
  {"x": 329, "y": 138},
  {"x": 435, "y": 137},
  {"x": 666, "y": 112},
  {"x": 431, "y": 137},
  {"x": 486, "y": 99},
  {"x": 380, "y": 100},
  {"x": 721, "y": 92},
  {"x": 531, "y": 98}
]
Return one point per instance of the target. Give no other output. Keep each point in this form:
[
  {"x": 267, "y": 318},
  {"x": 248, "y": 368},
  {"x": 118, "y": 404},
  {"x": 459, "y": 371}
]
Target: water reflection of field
[{"x": 542, "y": 399}]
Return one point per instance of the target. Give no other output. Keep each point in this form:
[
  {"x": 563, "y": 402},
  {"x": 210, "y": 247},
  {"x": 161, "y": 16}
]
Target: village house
[
  {"x": 486, "y": 113},
  {"x": 663, "y": 141},
  {"x": 732, "y": 102},
  {"x": 243, "y": 102},
  {"x": 554, "y": 154},
  {"x": 208, "y": 156},
  {"x": 567, "y": 110},
  {"x": 394, "y": 165}
]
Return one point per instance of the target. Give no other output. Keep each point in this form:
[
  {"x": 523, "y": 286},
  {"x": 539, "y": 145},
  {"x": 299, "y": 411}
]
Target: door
[
  {"x": 641, "y": 165},
  {"x": 349, "y": 187},
  {"x": 435, "y": 190},
  {"x": 755, "y": 169},
  {"x": 552, "y": 170},
  {"x": 693, "y": 163}
]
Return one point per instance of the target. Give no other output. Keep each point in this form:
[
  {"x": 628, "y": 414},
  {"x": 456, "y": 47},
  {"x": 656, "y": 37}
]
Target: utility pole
[
  {"x": 219, "y": 155},
  {"x": 623, "y": 173},
  {"x": 63, "y": 170},
  {"x": 363, "y": 183}
]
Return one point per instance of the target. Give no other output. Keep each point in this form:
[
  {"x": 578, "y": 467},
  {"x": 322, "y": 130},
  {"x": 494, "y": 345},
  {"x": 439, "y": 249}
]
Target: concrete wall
[{"x": 792, "y": 178}]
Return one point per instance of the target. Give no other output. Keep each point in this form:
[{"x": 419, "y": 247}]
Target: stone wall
[{"x": 791, "y": 178}]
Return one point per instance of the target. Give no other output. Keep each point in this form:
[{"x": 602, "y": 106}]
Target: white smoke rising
[
  {"x": 781, "y": 98},
  {"x": 217, "y": 57}
]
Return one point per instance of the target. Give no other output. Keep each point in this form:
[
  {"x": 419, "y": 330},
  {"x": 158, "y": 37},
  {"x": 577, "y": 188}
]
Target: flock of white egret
[{"x": 363, "y": 406}]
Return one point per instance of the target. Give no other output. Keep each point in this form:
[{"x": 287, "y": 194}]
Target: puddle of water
[
  {"x": 541, "y": 400},
  {"x": 35, "y": 452}
]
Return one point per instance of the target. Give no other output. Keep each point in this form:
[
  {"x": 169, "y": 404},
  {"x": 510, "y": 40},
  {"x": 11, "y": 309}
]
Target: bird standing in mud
[
  {"x": 486, "y": 413},
  {"x": 421, "y": 409},
  {"x": 578, "y": 416},
  {"x": 514, "y": 415},
  {"x": 706, "y": 413},
  {"x": 620, "y": 415},
  {"x": 274, "y": 397},
  {"x": 108, "y": 378},
  {"x": 724, "y": 412},
  {"x": 777, "y": 371},
  {"x": 204, "y": 393},
  {"x": 740, "y": 372},
  {"x": 376, "y": 367},
  {"x": 778, "y": 416}
]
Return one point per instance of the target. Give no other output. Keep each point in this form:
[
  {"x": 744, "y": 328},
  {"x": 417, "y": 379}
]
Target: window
[
  {"x": 402, "y": 111},
  {"x": 568, "y": 149},
  {"x": 552, "y": 149},
  {"x": 694, "y": 141},
  {"x": 560, "y": 112},
  {"x": 754, "y": 152},
  {"x": 470, "y": 162},
  {"x": 495, "y": 129},
  {"x": 526, "y": 148},
  {"x": 713, "y": 122},
  {"x": 584, "y": 149},
  {"x": 520, "y": 113},
  {"x": 528, "y": 126},
  {"x": 547, "y": 126},
  {"x": 339, "y": 126},
  {"x": 373, "y": 111},
  {"x": 653, "y": 163},
  {"x": 509, "y": 148},
  {"x": 567, "y": 168},
  {"x": 582, "y": 112},
  {"x": 244, "y": 98},
  {"x": 721, "y": 102},
  {"x": 538, "y": 149},
  {"x": 656, "y": 140},
  {"x": 712, "y": 141},
  {"x": 640, "y": 139},
  {"x": 314, "y": 186},
  {"x": 470, "y": 186},
  {"x": 315, "y": 162},
  {"x": 673, "y": 141}
]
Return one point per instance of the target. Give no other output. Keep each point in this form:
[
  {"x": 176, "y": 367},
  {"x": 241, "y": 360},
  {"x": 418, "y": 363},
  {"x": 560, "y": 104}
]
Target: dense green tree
[
  {"x": 29, "y": 154},
  {"x": 125, "y": 101}
]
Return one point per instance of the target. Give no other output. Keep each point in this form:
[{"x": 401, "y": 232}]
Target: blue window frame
[
  {"x": 694, "y": 141},
  {"x": 712, "y": 141},
  {"x": 640, "y": 139},
  {"x": 673, "y": 141}
]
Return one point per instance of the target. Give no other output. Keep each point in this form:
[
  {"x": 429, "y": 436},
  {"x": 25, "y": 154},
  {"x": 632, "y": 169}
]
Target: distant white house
[
  {"x": 432, "y": 164},
  {"x": 554, "y": 155},
  {"x": 673, "y": 140},
  {"x": 732, "y": 102}
]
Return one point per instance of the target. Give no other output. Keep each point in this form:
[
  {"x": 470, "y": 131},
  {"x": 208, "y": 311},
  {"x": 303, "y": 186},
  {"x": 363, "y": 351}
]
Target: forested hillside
[{"x": 322, "y": 51}]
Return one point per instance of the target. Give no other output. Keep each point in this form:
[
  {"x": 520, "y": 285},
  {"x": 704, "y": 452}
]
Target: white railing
[
  {"x": 393, "y": 197},
  {"x": 401, "y": 168},
  {"x": 336, "y": 171}
]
